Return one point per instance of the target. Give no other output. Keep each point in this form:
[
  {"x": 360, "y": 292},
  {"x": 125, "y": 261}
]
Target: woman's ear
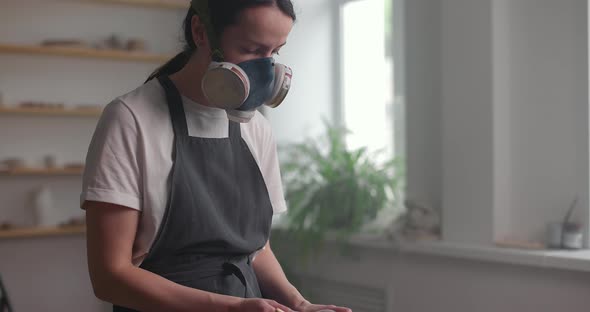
[{"x": 199, "y": 32}]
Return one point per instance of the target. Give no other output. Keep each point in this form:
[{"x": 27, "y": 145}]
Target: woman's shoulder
[
  {"x": 144, "y": 103},
  {"x": 147, "y": 98}
]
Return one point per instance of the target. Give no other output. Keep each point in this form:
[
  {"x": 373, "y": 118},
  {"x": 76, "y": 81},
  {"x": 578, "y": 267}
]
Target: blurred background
[{"x": 435, "y": 153}]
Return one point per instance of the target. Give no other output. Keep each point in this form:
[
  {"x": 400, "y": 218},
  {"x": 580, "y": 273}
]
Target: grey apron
[{"x": 218, "y": 212}]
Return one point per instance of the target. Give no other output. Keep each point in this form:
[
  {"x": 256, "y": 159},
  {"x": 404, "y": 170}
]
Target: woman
[{"x": 181, "y": 183}]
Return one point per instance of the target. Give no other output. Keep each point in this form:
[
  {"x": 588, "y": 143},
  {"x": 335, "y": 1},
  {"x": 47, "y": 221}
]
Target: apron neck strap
[
  {"x": 175, "y": 106},
  {"x": 234, "y": 130},
  {"x": 177, "y": 111}
]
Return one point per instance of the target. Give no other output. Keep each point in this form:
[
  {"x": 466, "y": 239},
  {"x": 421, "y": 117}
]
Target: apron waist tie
[
  {"x": 232, "y": 268},
  {"x": 235, "y": 267},
  {"x": 206, "y": 266}
]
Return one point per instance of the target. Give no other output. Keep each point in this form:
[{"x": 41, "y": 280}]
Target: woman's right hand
[{"x": 258, "y": 305}]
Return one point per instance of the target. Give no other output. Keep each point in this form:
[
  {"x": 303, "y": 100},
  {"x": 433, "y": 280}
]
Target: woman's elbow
[
  {"x": 104, "y": 282},
  {"x": 100, "y": 286}
]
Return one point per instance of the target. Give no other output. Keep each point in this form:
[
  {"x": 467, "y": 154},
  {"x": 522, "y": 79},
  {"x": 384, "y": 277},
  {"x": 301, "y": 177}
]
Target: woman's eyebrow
[{"x": 264, "y": 45}]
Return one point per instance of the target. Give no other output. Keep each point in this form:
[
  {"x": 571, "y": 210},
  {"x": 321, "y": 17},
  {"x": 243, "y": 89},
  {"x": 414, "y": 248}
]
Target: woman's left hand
[{"x": 309, "y": 307}]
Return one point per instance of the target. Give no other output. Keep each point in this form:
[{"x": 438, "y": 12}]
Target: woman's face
[{"x": 259, "y": 32}]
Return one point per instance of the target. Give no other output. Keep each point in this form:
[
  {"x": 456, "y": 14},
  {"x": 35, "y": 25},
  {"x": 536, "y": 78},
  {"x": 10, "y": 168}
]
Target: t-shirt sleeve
[
  {"x": 271, "y": 170},
  {"x": 112, "y": 173}
]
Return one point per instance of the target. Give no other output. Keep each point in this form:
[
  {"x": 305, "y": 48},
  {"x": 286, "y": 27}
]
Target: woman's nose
[{"x": 269, "y": 53}]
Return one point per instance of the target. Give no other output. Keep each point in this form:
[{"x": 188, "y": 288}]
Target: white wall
[
  {"x": 467, "y": 107},
  {"x": 310, "y": 52},
  {"x": 512, "y": 112},
  {"x": 511, "y": 74},
  {"x": 502, "y": 116},
  {"x": 548, "y": 94},
  {"x": 423, "y": 101},
  {"x": 48, "y": 274}
]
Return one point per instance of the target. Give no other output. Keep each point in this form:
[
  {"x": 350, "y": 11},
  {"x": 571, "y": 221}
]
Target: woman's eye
[{"x": 249, "y": 51}]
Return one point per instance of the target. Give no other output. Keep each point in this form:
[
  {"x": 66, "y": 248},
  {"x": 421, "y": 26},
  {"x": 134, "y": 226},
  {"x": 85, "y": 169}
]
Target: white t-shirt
[{"x": 129, "y": 160}]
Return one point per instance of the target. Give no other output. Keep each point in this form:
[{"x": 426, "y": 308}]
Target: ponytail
[{"x": 172, "y": 66}]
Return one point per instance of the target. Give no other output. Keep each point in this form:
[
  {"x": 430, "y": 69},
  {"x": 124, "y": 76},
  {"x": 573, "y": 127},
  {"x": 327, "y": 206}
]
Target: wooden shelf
[
  {"x": 42, "y": 232},
  {"x": 74, "y": 112},
  {"x": 41, "y": 172},
  {"x": 162, "y": 4},
  {"x": 84, "y": 53}
]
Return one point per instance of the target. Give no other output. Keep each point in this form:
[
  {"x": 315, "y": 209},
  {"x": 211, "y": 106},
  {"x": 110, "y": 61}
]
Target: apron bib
[{"x": 218, "y": 212}]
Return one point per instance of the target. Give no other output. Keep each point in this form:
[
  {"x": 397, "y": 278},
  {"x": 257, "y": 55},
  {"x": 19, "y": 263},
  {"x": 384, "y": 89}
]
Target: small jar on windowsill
[{"x": 573, "y": 237}]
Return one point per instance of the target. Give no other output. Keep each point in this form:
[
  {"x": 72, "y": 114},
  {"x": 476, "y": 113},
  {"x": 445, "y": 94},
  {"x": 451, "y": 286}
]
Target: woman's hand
[
  {"x": 309, "y": 307},
  {"x": 258, "y": 305}
]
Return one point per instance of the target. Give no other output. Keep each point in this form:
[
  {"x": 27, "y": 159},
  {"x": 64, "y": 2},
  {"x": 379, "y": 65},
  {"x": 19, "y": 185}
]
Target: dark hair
[{"x": 223, "y": 13}]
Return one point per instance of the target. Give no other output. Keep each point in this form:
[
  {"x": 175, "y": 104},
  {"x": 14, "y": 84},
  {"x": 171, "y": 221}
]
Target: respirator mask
[{"x": 241, "y": 88}]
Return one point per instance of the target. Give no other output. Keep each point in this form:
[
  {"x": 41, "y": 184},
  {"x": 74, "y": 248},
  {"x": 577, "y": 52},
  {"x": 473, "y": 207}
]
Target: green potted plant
[{"x": 335, "y": 191}]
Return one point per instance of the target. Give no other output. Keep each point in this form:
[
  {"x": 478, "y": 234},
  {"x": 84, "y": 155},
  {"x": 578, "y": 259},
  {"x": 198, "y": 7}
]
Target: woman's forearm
[
  {"x": 145, "y": 291},
  {"x": 273, "y": 282},
  {"x": 111, "y": 231}
]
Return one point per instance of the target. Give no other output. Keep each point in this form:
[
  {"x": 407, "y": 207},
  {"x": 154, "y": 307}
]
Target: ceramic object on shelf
[
  {"x": 113, "y": 42},
  {"x": 43, "y": 207},
  {"x": 40, "y": 104},
  {"x": 135, "y": 45},
  {"x": 70, "y": 43},
  {"x": 4, "y": 226},
  {"x": 12, "y": 163},
  {"x": 50, "y": 161}
]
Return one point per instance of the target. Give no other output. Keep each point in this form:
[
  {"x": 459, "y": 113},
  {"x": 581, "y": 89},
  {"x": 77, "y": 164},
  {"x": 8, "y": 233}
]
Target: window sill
[{"x": 551, "y": 259}]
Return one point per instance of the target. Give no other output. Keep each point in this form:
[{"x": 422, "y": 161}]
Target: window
[
  {"x": 367, "y": 95},
  {"x": 369, "y": 102}
]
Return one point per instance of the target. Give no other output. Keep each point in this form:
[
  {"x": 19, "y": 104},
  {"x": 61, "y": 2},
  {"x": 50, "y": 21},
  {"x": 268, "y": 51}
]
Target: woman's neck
[{"x": 188, "y": 80}]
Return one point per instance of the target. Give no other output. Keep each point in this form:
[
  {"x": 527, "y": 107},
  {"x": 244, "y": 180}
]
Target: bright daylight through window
[{"x": 367, "y": 71}]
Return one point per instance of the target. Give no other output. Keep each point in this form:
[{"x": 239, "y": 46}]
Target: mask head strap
[{"x": 201, "y": 8}]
